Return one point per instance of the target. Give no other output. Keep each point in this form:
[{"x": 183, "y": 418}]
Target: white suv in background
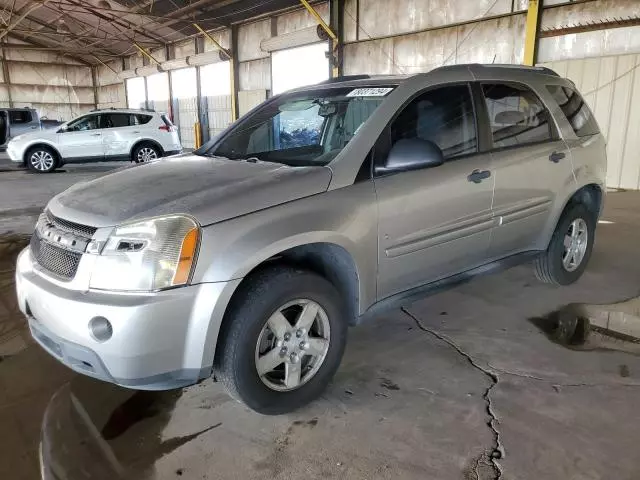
[{"x": 136, "y": 135}]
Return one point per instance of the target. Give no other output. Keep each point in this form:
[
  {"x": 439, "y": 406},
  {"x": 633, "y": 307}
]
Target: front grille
[
  {"x": 71, "y": 227},
  {"x": 60, "y": 262}
]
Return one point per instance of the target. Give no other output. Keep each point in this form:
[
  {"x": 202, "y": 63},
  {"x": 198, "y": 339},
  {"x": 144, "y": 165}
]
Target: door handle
[
  {"x": 555, "y": 157},
  {"x": 478, "y": 176},
  {"x": 135, "y": 132},
  {"x": 96, "y": 134}
]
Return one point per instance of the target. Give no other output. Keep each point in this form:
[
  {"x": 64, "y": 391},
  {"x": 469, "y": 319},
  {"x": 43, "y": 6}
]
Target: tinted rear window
[
  {"x": 516, "y": 115},
  {"x": 575, "y": 109},
  {"x": 140, "y": 119},
  {"x": 19, "y": 116}
]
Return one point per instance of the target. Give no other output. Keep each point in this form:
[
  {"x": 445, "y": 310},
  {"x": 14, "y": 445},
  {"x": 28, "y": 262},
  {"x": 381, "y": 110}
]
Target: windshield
[{"x": 300, "y": 129}]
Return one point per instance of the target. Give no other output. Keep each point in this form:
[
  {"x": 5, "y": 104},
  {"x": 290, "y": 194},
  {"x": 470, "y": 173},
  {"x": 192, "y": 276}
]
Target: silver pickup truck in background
[{"x": 16, "y": 121}]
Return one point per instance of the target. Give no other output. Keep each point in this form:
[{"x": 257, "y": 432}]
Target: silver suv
[{"x": 320, "y": 208}]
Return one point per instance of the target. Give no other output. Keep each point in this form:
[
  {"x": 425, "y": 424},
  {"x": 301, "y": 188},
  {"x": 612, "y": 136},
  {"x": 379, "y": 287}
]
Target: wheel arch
[
  {"x": 42, "y": 144},
  {"x": 589, "y": 194},
  {"x": 142, "y": 141}
]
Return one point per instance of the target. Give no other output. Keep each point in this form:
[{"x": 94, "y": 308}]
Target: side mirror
[
  {"x": 62, "y": 130},
  {"x": 412, "y": 154}
]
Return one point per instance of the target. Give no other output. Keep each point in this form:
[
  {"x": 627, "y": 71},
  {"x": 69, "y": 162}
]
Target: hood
[
  {"x": 35, "y": 135},
  {"x": 209, "y": 189}
]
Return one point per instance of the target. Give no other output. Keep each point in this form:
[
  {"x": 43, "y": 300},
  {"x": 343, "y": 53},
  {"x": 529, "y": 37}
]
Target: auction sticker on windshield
[{"x": 370, "y": 92}]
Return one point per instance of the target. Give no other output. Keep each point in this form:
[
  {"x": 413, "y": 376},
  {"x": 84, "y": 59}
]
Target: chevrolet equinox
[{"x": 325, "y": 205}]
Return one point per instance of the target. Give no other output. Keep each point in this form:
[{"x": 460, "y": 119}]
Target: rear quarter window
[
  {"x": 140, "y": 119},
  {"x": 575, "y": 109}
]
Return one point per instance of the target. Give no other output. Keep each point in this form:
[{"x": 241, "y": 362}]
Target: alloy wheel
[
  {"x": 575, "y": 244},
  {"x": 146, "y": 154},
  {"x": 292, "y": 345},
  {"x": 42, "y": 160}
]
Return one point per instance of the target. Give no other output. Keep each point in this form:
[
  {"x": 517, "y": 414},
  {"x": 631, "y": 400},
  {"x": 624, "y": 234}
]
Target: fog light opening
[{"x": 100, "y": 329}]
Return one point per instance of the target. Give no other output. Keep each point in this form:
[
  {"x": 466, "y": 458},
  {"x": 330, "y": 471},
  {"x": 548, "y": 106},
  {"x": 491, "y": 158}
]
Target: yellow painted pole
[
  {"x": 234, "y": 113},
  {"x": 334, "y": 38},
  {"x": 531, "y": 32},
  {"x": 319, "y": 19},
  {"x": 212, "y": 40},
  {"x": 197, "y": 131},
  {"x": 146, "y": 54}
]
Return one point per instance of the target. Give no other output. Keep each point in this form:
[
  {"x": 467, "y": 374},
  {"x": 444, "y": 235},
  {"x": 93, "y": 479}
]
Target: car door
[
  {"x": 433, "y": 222},
  {"x": 81, "y": 139},
  {"x": 119, "y": 131},
  {"x": 530, "y": 163},
  {"x": 21, "y": 121}
]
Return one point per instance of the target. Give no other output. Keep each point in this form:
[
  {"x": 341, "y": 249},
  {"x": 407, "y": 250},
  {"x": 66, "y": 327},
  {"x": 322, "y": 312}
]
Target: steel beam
[
  {"x": 335, "y": 41},
  {"x": 146, "y": 54},
  {"x": 22, "y": 16},
  {"x": 6, "y": 76},
  {"x": 234, "y": 66},
  {"x": 532, "y": 31},
  {"x": 213, "y": 40},
  {"x": 94, "y": 81},
  {"x": 336, "y": 13},
  {"x": 590, "y": 27}
]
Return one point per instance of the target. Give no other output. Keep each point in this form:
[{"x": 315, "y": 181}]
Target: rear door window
[
  {"x": 115, "y": 120},
  {"x": 575, "y": 109},
  {"x": 17, "y": 117},
  {"x": 516, "y": 115}
]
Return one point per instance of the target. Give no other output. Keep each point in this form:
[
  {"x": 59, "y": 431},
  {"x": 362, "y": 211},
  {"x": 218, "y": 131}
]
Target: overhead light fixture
[
  {"x": 104, "y": 4},
  {"x": 62, "y": 27}
]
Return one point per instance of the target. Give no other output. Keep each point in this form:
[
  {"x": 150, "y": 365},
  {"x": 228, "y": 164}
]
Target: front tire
[
  {"x": 41, "y": 160},
  {"x": 282, "y": 340},
  {"x": 146, "y": 152},
  {"x": 567, "y": 256}
]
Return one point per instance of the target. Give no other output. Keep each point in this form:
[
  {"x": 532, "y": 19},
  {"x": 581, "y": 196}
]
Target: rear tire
[
  {"x": 41, "y": 160},
  {"x": 262, "y": 330},
  {"x": 145, "y": 152},
  {"x": 570, "y": 248}
]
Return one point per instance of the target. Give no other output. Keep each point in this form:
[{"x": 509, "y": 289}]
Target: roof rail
[
  {"x": 345, "y": 78},
  {"x": 545, "y": 70},
  {"x": 514, "y": 66}
]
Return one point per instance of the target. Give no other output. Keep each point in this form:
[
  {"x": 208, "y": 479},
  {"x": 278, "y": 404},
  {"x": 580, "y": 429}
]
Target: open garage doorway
[
  {"x": 185, "y": 91},
  {"x": 158, "y": 92},
  {"x": 136, "y": 93},
  {"x": 299, "y": 66}
]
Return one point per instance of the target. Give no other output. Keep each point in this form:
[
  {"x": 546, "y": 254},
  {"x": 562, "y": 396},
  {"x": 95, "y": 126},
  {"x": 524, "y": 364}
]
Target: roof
[
  {"x": 126, "y": 110},
  {"x": 464, "y": 68},
  {"x": 92, "y": 29}
]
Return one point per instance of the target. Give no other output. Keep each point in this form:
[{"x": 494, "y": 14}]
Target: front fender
[
  {"x": 345, "y": 217},
  {"x": 32, "y": 143}
]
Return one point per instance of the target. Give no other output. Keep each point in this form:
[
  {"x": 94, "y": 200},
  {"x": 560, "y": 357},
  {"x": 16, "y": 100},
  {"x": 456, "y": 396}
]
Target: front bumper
[
  {"x": 15, "y": 154},
  {"x": 160, "y": 340}
]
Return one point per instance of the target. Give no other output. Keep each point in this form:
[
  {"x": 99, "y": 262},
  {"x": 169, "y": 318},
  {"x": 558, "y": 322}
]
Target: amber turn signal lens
[{"x": 187, "y": 255}]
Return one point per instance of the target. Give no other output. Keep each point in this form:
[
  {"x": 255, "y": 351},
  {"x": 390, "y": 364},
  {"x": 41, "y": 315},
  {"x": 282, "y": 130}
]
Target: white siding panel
[
  {"x": 611, "y": 87},
  {"x": 630, "y": 164}
]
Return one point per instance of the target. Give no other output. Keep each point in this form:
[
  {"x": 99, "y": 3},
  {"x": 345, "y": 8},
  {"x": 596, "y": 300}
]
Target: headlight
[{"x": 147, "y": 256}]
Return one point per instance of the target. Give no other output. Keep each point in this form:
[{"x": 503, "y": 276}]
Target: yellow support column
[
  {"x": 335, "y": 42},
  {"x": 232, "y": 69},
  {"x": 531, "y": 31}
]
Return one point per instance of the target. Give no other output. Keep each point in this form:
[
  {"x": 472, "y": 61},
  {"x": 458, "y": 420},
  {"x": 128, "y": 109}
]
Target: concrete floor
[
  {"x": 459, "y": 385},
  {"x": 23, "y": 194}
]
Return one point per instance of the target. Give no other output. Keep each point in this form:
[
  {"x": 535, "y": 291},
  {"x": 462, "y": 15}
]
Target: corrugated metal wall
[
  {"x": 611, "y": 87},
  {"x": 56, "y": 86}
]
